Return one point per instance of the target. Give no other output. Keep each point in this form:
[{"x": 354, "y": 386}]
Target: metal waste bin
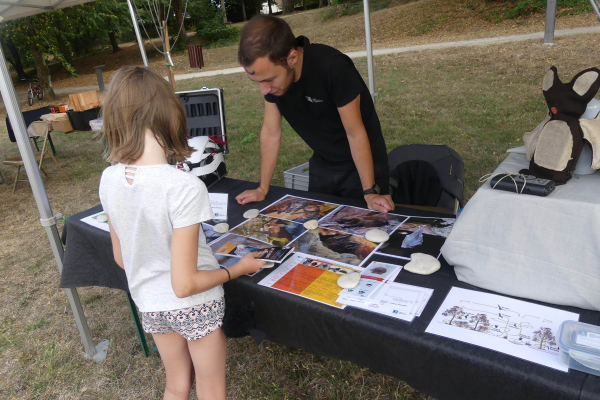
[{"x": 195, "y": 54}]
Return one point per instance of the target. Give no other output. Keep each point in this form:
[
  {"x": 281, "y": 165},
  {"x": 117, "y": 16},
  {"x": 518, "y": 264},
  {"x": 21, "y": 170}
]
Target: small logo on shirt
[{"x": 313, "y": 100}]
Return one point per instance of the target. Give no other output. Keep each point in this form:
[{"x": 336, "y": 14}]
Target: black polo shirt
[{"x": 329, "y": 80}]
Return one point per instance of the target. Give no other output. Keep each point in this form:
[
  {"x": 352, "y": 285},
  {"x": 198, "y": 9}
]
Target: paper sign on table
[{"x": 218, "y": 202}]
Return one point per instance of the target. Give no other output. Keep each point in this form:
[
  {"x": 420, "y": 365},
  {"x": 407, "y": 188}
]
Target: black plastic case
[{"x": 205, "y": 114}]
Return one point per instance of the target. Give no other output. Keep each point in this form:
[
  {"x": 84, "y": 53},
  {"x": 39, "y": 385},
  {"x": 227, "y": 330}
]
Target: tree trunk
[
  {"x": 244, "y": 11},
  {"x": 224, "y": 12},
  {"x": 16, "y": 58},
  {"x": 178, "y": 9},
  {"x": 322, "y": 3},
  {"x": 288, "y": 6},
  {"x": 64, "y": 49},
  {"x": 113, "y": 42},
  {"x": 42, "y": 71},
  {"x": 269, "y": 4},
  {"x": 304, "y": 4}
]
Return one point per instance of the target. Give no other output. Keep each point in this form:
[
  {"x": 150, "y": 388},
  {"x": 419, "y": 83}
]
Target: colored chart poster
[
  {"x": 298, "y": 209},
  {"x": 518, "y": 328},
  {"x": 336, "y": 246},
  {"x": 270, "y": 230},
  {"x": 358, "y": 221},
  {"x": 308, "y": 277}
]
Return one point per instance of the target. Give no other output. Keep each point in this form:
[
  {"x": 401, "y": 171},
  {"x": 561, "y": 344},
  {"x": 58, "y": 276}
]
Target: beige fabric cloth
[{"x": 540, "y": 248}]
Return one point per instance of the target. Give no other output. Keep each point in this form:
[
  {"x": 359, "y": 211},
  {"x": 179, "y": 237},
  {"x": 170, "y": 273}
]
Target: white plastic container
[
  {"x": 96, "y": 124},
  {"x": 580, "y": 346},
  {"x": 297, "y": 177}
]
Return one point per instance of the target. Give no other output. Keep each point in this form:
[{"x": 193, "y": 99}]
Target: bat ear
[
  {"x": 548, "y": 81},
  {"x": 587, "y": 81}
]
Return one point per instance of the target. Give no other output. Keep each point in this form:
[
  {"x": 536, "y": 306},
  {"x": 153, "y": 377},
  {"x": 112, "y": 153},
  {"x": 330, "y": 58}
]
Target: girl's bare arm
[
  {"x": 186, "y": 280},
  {"x": 116, "y": 244}
]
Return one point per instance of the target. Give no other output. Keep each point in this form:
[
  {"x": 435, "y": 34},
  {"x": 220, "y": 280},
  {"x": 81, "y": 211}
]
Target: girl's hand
[{"x": 247, "y": 265}]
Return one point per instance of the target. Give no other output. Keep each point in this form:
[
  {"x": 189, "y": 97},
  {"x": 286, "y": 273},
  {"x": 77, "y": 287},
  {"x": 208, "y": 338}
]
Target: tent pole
[
  {"x": 136, "y": 28},
  {"x": 47, "y": 218},
  {"x": 369, "y": 48},
  {"x": 550, "y": 20}
]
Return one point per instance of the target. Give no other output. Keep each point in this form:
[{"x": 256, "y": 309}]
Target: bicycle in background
[{"x": 33, "y": 90}]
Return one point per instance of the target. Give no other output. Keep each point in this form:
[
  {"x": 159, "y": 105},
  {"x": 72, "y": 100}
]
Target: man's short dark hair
[{"x": 265, "y": 35}]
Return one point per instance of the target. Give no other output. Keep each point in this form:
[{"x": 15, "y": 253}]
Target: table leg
[
  {"x": 51, "y": 144},
  {"x": 138, "y": 327}
]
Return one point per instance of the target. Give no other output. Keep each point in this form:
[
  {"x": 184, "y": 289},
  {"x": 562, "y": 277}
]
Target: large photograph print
[
  {"x": 270, "y": 230},
  {"x": 358, "y": 221},
  {"x": 335, "y": 246},
  {"x": 418, "y": 235},
  {"x": 298, "y": 209}
]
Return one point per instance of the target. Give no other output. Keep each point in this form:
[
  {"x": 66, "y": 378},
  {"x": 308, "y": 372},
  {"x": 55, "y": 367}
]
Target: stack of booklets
[{"x": 386, "y": 297}]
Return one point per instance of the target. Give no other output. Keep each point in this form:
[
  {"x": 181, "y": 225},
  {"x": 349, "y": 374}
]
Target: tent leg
[
  {"x": 80, "y": 321},
  {"x": 47, "y": 217},
  {"x": 137, "y": 33},
  {"x": 369, "y": 48},
  {"x": 550, "y": 20}
]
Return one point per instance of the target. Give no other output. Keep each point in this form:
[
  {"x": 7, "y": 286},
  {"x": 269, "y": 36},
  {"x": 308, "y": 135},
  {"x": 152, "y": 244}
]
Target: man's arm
[
  {"x": 270, "y": 140},
  {"x": 361, "y": 154}
]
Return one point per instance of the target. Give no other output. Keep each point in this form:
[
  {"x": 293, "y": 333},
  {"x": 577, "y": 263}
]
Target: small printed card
[{"x": 218, "y": 202}]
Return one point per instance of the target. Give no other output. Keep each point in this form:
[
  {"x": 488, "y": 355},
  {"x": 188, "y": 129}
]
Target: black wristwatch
[{"x": 373, "y": 190}]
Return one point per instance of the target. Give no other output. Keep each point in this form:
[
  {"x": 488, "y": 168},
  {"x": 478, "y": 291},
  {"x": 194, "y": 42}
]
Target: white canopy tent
[{"x": 13, "y": 9}]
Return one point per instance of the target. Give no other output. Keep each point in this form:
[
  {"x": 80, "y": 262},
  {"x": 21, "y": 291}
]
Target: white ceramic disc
[{"x": 377, "y": 236}]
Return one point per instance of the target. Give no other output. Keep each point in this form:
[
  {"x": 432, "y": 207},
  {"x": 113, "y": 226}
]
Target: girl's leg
[
  {"x": 209, "y": 355},
  {"x": 175, "y": 356}
]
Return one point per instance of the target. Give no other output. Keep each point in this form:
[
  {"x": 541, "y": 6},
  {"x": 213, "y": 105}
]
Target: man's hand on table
[
  {"x": 250, "y": 196},
  {"x": 380, "y": 202}
]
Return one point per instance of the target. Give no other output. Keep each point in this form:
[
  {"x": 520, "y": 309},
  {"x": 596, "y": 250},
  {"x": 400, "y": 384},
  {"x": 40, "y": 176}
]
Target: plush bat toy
[{"x": 554, "y": 146}]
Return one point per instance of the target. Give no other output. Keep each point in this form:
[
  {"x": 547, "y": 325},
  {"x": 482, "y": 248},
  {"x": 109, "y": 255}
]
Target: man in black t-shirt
[{"x": 325, "y": 100}]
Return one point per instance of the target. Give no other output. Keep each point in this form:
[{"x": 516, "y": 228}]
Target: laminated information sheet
[
  {"x": 515, "y": 327},
  {"x": 93, "y": 221},
  {"x": 309, "y": 277}
]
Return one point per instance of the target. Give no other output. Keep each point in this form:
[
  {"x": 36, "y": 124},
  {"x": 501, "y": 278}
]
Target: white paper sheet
[
  {"x": 518, "y": 328},
  {"x": 218, "y": 202},
  {"x": 372, "y": 280},
  {"x": 394, "y": 299},
  {"x": 91, "y": 220}
]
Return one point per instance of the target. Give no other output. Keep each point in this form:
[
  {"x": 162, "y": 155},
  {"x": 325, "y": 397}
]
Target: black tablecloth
[{"x": 440, "y": 367}]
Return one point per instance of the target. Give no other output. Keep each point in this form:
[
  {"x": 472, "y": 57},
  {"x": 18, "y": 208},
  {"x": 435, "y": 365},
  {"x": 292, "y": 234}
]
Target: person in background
[
  {"x": 154, "y": 214},
  {"x": 323, "y": 97}
]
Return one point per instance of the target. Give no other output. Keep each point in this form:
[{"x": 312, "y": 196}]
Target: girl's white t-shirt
[{"x": 143, "y": 215}]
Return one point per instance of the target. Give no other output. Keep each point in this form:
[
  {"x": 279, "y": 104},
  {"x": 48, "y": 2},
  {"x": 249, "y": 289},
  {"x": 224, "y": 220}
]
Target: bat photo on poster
[
  {"x": 298, "y": 209},
  {"x": 357, "y": 221},
  {"x": 270, "y": 230},
  {"x": 418, "y": 235}
]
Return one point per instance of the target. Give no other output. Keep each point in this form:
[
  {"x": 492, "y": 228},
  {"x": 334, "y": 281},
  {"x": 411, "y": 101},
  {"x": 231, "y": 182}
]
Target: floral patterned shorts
[{"x": 192, "y": 323}]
